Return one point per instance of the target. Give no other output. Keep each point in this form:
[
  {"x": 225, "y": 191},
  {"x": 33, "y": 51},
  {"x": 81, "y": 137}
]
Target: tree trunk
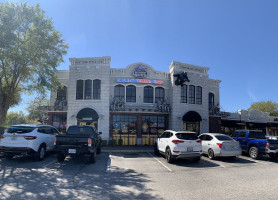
[{"x": 4, "y": 107}]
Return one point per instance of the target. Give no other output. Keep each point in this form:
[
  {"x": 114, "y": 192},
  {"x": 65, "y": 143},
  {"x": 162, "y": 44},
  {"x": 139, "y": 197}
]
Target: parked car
[
  {"x": 219, "y": 145},
  {"x": 178, "y": 144},
  {"x": 252, "y": 141},
  {"x": 272, "y": 146},
  {"x": 78, "y": 140},
  {"x": 28, "y": 139}
]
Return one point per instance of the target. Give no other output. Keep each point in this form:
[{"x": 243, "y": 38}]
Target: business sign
[
  {"x": 140, "y": 72},
  {"x": 146, "y": 81}
]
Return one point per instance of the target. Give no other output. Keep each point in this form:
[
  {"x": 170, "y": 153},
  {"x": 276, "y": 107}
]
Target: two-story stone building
[{"x": 133, "y": 105}]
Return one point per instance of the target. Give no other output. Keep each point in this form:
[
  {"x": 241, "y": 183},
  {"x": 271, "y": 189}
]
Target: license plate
[
  {"x": 189, "y": 148},
  {"x": 72, "y": 150}
]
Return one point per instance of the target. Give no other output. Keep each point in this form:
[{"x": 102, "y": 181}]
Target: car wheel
[
  {"x": 61, "y": 157},
  {"x": 156, "y": 152},
  {"x": 211, "y": 154},
  {"x": 254, "y": 153},
  {"x": 41, "y": 153},
  {"x": 169, "y": 157},
  {"x": 92, "y": 158},
  {"x": 99, "y": 150}
]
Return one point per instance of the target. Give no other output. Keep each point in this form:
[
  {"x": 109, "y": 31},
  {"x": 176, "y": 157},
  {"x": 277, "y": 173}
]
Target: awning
[
  {"x": 192, "y": 116},
  {"x": 232, "y": 123},
  {"x": 257, "y": 125},
  {"x": 87, "y": 114}
]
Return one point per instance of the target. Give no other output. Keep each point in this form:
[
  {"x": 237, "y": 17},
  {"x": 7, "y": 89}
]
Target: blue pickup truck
[{"x": 253, "y": 142}]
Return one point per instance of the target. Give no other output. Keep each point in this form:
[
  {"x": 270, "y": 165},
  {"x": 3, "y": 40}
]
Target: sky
[{"x": 236, "y": 39}]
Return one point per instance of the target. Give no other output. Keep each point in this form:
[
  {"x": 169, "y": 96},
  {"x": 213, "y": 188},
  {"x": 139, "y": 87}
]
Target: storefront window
[
  {"x": 59, "y": 122},
  {"x": 152, "y": 124},
  {"x": 191, "y": 126},
  {"x": 124, "y": 124}
]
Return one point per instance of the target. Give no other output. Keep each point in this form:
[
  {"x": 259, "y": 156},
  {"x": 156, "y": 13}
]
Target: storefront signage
[
  {"x": 140, "y": 72},
  {"x": 156, "y": 82}
]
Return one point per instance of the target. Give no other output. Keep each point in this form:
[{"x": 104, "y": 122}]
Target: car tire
[
  {"x": 254, "y": 153},
  {"x": 99, "y": 150},
  {"x": 61, "y": 157},
  {"x": 169, "y": 157},
  {"x": 92, "y": 157},
  {"x": 211, "y": 154},
  {"x": 197, "y": 159},
  {"x": 40, "y": 155},
  {"x": 156, "y": 152}
]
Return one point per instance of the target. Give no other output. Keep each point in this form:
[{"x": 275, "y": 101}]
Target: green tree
[
  {"x": 30, "y": 51},
  {"x": 38, "y": 109},
  {"x": 266, "y": 106},
  {"x": 16, "y": 118}
]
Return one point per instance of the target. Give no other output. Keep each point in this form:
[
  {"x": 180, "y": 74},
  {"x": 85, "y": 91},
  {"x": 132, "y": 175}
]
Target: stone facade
[{"x": 99, "y": 69}]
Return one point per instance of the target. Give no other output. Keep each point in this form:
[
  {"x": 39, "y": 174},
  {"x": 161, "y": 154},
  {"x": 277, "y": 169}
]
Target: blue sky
[{"x": 236, "y": 39}]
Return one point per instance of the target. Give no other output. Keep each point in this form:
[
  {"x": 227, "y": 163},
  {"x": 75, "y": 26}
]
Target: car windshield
[
  {"x": 20, "y": 129},
  {"x": 187, "y": 136},
  {"x": 223, "y": 137},
  {"x": 75, "y": 130},
  {"x": 257, "y": 135}
]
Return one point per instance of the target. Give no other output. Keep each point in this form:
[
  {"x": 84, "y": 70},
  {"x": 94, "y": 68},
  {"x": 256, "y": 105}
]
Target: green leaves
[
  {"x": 30, "y": 50},
  {"x": 266, "y": 106}
]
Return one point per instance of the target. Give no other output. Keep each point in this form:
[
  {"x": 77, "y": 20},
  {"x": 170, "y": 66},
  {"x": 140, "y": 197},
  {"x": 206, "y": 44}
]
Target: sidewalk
[{"x": 127, "y": 149}]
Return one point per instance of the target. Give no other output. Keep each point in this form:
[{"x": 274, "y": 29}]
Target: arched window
[
  {"x": 148, "y": 94},
  {"x": 191, "y": 95},
  {"x": 130, "y": 93},
  {"x": 159, "y": 94},
  {"x": 211, "y": 100},
  {"x": 184, "y": 94},
  {"x": 88, "y": 89},
  {"x": 79, "y": 89},
  {"x": 96, "y": 89},
  {"x": 119, "y": 91},
  {"x": 198, "y": 95}
]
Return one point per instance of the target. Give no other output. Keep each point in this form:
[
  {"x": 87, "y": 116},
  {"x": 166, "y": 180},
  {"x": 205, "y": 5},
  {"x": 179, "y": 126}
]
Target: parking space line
[
  {"x": 160, "y": 162},
  {"x": 108, "y": 163},
  {"x": 49, "y": 163}
]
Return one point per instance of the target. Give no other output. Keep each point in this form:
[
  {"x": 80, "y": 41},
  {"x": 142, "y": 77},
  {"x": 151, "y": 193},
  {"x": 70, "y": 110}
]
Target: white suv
[
  {"x": 178, "y": 144},
  {"x": 28, "y": 139}
]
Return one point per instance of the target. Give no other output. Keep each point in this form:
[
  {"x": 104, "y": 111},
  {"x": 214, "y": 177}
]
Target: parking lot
[{"x": 137, "y": 176}]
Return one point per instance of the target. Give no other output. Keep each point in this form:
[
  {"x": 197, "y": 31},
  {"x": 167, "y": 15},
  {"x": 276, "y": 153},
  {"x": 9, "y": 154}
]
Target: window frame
[
  {"x": 96, "y": 89},
  {"x": 132, "y": 97},
  {"x": 79, "y": 89},
  {"x": 191, "y": 94},
  {"x": 158, "y": 97},
  {"x": 150, "y": 97},
  {"x": 184, "y": 93},
  {"x": 199, "y": 95}
]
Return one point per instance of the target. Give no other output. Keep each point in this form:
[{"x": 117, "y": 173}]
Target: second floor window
[
  {"x": 130, "y": 93},
  {"x": 119, "y": 91},
  {"x": 184, "y": 94},
  {"x": 79, "y": 89},
  {"x": 148, "y": 94},
  {"x": 191, "y": 95},
  {"x": 96, "y": 89},
  {"x": 62, "y": 93},
  {"x": 159, "y": 94},
  {"x": 88, "y": 89},
  {"x": 198, "y": 95},
  {"x": 211, "y": 100}
]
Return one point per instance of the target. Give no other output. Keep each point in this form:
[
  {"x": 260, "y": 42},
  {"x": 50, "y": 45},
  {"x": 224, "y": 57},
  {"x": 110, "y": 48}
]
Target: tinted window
[
  {"x": 130, "y": 93},
  {"x": 242, "y": 135},
  {"x": 208, "y": 138},
  {"x": 184, "y": 94},
  {"x": 96, "y": 89},
  {"x": 187, "y": 136},
  {"x": 75, "y": 130},
  {"x": 223, "y": 137},
  {"x": 20, "y": 129},
  {"x": 256, "y": 135},
  {"x": 168, "y": 135},
  {"x": 202, "y": 137},
  {"x": 54, "y": 131},
  {"x": 163, "y": 135},
  {"x": 148, "y": 94}
]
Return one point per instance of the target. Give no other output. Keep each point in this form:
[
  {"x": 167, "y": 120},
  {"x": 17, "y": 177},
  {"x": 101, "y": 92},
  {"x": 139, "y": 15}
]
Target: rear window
[
  {"x": 20, "y": 129},
  {"x": 75, "y": 130},
  {"x": 257, "y": 135},
  {"x": 187, "y": 136},
  {"x": 223, "y": 137}
]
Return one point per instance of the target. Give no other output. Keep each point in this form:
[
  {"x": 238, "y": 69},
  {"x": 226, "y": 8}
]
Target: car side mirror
[{"x": 99, "y": 133}]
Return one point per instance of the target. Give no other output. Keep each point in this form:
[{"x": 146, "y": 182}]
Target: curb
[{"x": 126, "y": 151}]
